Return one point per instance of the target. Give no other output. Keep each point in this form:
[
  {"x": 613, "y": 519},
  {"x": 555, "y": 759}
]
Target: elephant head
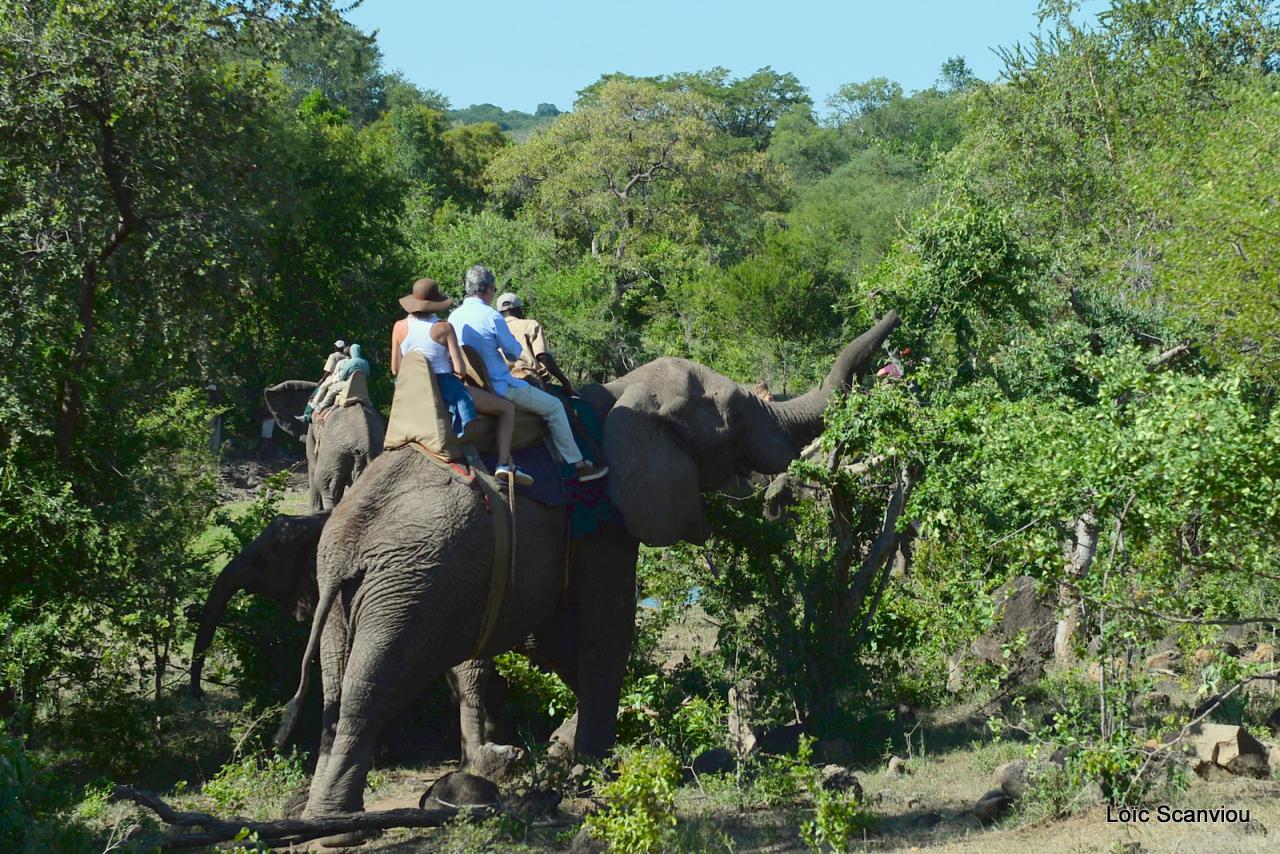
[
  {"x": 286, "y": 401},
  {"x": 280, "y": 564},
  {"x": 676, "y": 429}
]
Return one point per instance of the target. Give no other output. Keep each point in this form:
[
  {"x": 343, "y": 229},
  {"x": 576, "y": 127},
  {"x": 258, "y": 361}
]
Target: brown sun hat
[{"x": 426, "y": 297}]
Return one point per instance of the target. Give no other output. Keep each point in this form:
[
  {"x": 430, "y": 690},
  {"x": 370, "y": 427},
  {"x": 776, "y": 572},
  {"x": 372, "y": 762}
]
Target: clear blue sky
[{"x": 518, "y": 53}]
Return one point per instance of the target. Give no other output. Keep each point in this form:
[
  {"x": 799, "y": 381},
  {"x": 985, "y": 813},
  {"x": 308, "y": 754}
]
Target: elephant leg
[
  {"x": 495, "y": 705},
  {"x": 469, "y": 681},
  {"x": 336, "y": 479},
  {"x": 333, "y": 654},
  {"x": 603, "y": 590},
  {"x": 391, "y": 659}
]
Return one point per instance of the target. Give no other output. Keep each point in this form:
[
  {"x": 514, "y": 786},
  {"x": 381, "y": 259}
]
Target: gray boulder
[
  {"x": 497, "y": 762},
  {"x": 1025, "y": 622}
]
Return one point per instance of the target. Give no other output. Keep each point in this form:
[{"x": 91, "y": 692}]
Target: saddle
[{"x": 419, "y": 416}]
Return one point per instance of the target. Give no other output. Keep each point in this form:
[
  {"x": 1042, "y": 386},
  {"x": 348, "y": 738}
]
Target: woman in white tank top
[{"x": 422, "y": 330}]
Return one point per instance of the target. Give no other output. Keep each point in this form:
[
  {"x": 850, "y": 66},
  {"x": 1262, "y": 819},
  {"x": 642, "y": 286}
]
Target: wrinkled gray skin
[
  {"x": 404, "y": 564},
  {"x": 352, "y": 437},
  {"x": 280, "y": 564}
]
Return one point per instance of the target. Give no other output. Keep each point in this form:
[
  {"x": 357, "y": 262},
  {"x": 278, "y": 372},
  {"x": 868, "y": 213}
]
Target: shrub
[
  {"x": 641, "y": 810},
  {"x": 258, "y": 783}
]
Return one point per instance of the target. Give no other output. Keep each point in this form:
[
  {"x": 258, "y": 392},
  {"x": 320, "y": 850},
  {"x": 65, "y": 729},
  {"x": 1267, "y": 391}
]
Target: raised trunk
[
  {"x": 229, "y": 583},
  {"x": 801, "y": 417}
]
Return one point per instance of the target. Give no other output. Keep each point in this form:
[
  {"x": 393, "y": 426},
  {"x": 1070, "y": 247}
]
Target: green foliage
[
  {"x": 259, "y": 781},
  {"x": 640, "y": 813},
  {"x": 838, "y": 820},
  {"x": 635, "y": 164}
]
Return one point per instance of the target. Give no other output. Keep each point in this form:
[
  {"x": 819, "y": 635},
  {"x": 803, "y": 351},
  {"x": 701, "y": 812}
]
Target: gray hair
[{"x": 478, "y": 280}]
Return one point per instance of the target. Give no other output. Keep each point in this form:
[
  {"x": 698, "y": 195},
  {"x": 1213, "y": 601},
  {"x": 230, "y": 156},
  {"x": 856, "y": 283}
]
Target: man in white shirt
[{"x": 484, "y": 330}]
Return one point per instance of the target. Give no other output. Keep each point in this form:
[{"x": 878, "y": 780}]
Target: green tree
[{"x": 632, "y": 165}]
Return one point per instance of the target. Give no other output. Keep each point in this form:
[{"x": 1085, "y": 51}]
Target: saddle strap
[{"x": 504, "y": 545}]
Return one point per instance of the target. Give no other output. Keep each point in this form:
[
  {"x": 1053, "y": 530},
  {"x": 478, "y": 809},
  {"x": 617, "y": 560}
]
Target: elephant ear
[
  {"x": 652, "y": 478},
  {"x": 286, "y": 401}
]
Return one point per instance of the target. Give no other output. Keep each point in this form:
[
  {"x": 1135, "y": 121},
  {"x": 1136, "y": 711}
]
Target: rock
[
  {"x": 885, "y": 796},
  {"x": 1251, "y": 765},
  {"x": 561, "y": 743},
  {"x": 585, "y": 843},
  {"x": 992, "y": 806},
  {"x": 1014, "y": 778},
  {"x": 496, "y": 762},
  {"x": 1209, "y": 771},
  {"x": 1202, "y": 656},
  {"x": 1263, "y": 653},
  {"x": 1165, "y": 660},
  {"x": 837, "y": 778},
  {"x": 897, "y": 765},
  {"x": 535, "y": 803},
  {"x": 913, "y": 802},
  {"x": 833, "y": 751},
  {"x": 1228, "y": 747},
  {"x": 781, "y": 741},
  {"x": 460, "y": 789},
  {"x": 1025, "y": 622},
  {"x": 717, "y": 760}
]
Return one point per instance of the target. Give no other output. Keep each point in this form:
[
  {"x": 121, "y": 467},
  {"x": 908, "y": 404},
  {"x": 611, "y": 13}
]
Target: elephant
[
  {"x": 405, "y": 564},
  {"x": 279, "y": 564},
  {"x": 350, "y": 439}
]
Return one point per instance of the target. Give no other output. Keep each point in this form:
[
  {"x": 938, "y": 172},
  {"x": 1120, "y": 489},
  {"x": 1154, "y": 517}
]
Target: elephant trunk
[
  {"x": 801, "y": 417},
  {"x": 228, "y": 583}
]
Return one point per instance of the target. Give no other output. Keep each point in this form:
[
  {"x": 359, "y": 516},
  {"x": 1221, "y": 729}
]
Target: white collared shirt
[{"x": 480, "y": 327}]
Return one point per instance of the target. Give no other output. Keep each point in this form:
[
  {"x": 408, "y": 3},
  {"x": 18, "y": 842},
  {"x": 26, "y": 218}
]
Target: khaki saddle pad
[{"x": 419, "y": 415}]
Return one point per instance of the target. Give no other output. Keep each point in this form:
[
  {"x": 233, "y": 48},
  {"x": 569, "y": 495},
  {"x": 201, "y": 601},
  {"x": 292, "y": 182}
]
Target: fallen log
[{"x": 283, "y": 831}]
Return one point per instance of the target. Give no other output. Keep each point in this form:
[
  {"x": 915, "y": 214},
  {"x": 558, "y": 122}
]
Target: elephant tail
[{"x": 327, "y": 597}]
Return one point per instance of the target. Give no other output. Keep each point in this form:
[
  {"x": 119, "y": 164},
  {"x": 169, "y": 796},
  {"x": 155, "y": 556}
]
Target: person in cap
[
  {"x": 535, "y": 363},
  {"x": 422, "y": 330},
  {"x": 327, "y": 391},
  {"x": 479, "y": 326},
  {"x": 340, "y": 352}
]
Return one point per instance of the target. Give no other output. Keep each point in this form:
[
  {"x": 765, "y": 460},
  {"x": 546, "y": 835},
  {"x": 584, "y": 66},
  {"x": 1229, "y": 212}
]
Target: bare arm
[
  {"x": 548, "y": 361},
  {"x": 398, "y": 333},
  {"x": 443, "y": 334}
]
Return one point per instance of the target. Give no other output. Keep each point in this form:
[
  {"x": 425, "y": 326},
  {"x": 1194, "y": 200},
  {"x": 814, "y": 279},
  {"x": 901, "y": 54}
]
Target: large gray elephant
[
  {"x": 337, "y": 452},
  {"x": 280, "y": 565},
  {"x": 405, "y": 563}
]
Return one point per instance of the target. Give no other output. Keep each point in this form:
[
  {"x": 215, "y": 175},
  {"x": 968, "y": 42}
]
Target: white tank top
[{"x": 419, "y": 338}]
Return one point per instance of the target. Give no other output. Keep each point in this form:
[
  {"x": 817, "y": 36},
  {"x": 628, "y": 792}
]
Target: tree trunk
[
  {"x": 1080, "y": 552},
  {"x": 70, "y": 403}
]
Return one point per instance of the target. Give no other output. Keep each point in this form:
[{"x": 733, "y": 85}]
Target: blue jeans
[{"x": 458, "y": 401}]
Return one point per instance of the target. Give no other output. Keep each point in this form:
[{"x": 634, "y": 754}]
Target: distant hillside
[{"x": 514, "y": 122}]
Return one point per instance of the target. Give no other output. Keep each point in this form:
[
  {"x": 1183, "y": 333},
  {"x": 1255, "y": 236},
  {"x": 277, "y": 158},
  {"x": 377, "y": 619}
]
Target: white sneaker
[{"x": 505, "y": 473}]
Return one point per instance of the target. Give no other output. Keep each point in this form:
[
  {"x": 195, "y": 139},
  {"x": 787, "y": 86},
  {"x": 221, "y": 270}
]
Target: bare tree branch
[{"x": 284, "y": 831}]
